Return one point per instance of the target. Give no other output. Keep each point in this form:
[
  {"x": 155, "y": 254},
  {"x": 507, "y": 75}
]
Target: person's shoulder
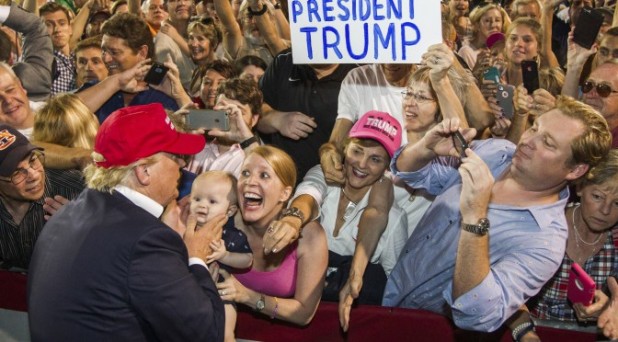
[
  {"x": 69, "y": 180},
  {"x": 312, "y": 235}
]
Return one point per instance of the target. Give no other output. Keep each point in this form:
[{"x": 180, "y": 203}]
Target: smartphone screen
[
  {"x": 460, "y": 144},
  {"x": 587, "y": 27},
  {"x": 208, "y": 119},
  {"x": 155, "y": 74},
  {"x": 530, "y": 75}
]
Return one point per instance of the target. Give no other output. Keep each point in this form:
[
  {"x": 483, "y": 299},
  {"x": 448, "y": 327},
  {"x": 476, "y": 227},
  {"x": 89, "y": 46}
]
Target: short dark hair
[
  {"x": 131, "y": 28},
  {"x": 225, "y": 68},
  {"x": 247, "y": 60},
  {"x": 6, "y": 47},
  {"x": 88, "y": 43},
  {"x": 52, "y": 7},
  {"x": 244, "y": 91}
]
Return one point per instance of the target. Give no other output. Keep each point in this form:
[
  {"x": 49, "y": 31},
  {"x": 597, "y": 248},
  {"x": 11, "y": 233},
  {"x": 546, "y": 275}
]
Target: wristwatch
[
  {"x": 260, "y": 304},
  {"x": 481, "y": 228},
  {"x": 293, "y": 211}
]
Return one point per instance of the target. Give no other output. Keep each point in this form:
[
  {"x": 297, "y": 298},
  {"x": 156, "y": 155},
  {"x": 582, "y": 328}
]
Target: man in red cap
[
  {"x": 106, "y": 267},
  {"x": 24, "y": 183}
]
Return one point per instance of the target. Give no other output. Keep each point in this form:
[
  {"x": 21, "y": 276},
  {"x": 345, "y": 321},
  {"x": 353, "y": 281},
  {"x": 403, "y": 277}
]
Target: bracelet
[
  {"x": 522, "y": 330},
  {"x": 276, "y": 308},
  {"x": 293, "y": 211},
  {"x": 248, "y": 142},
  {"x": 253, "y": 13}
]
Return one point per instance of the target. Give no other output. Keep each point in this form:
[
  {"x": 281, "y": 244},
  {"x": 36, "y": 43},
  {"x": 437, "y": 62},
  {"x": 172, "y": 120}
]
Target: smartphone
[
  {"x": 504, "y": 95},
  {"x": 581, "y": 286},
  {"x": 460, "y": 144},
  {"x": 587, "y": 27},
  {"x": 156, "y": 73},
  {"x": 208, "y": 119},
  {"x": 492, "y": 74},
  {"x": 530, "y": 74}
]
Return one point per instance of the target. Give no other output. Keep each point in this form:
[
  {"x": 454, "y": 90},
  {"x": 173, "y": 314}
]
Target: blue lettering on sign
[
  {"x": 405, "y": 42},
  {"x": 390, "y": 37},
  {"x": 377, "y": 6},
  {"x": 312, "y": 9},
  {"x": 333, "y": 45},
  {"x": 364, "y": 11},
  {"x": 308, "y": 31},
  {"x": 392, "y": 7},
  {"x": 411, "y": 9},
  {"x": 346, "y": 12},
  {"x": 297, "y": 9},
  {"x": 365, "y": 39},
  {"x": 328, "y": 9}
]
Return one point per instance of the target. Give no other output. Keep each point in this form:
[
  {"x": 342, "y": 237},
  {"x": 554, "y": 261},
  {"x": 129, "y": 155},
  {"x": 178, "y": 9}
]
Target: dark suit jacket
[{"x": 104, "y": 269}]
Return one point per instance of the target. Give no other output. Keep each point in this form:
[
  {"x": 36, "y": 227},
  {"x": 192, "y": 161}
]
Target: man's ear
[
  {"x": 254, "y": 120},
  {"x": 232, "y": 210},
  {"x": 143, "y": 51},
  {"x": 577, "y": 171},
  {"x": 141, "y": 174}
]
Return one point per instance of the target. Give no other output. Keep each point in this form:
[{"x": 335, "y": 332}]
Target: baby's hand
[{"x": 218, "y": 251}]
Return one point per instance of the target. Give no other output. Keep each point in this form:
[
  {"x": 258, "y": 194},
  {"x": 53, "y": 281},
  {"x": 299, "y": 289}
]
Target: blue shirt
[
  {"x": 143, "y": 97},
  {"x": 526, "y": 245}
]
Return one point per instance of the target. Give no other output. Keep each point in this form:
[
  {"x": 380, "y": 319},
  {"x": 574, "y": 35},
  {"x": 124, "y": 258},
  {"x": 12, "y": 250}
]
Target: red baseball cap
[
  {"x": 379, "y": 126},
  {"x": 137, "y": 132}
]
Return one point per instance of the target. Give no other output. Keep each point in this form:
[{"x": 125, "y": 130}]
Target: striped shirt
[{"x": 17, "y": 240}]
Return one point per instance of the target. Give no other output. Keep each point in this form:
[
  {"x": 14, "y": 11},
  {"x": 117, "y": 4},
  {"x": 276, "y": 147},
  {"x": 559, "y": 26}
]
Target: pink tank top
[{"x": 280, "y": 282}]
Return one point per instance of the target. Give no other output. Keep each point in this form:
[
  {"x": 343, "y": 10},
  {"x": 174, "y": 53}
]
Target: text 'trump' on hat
[
  {"x": 137, "y": 132},
  {"x": 379, "y": 126}
]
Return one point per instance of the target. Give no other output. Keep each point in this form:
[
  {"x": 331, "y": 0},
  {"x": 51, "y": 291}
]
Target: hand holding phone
[
  {"x": 587, "y": 27},
  {"x": 208, "y": 119},
  {"x": 460, "y": 144},
  {"x": 504, "y": 95},
  {"x": 581, "y": 286},
  {"x": 156, "y": 74},
  {"x": 530, "y": 75}
]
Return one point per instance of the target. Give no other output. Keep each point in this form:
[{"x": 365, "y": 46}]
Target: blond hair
[
  {"x": 65, "y": 120},
  {"x": 281, "y": 162},
  {"x": 594, "y": 143},
  {"x": 105, "y": 179}
]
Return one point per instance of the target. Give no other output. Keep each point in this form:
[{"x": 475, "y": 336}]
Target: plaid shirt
[
  {"x": 552, "y": 303},
  {"x": 64, "y": 75}
]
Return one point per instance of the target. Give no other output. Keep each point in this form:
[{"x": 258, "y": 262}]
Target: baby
[{"x": 214, "y": 193}]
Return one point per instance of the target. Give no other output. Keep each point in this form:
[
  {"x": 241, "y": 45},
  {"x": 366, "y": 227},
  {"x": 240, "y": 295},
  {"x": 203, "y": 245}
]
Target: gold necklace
[{"x": 578, "y": 237}]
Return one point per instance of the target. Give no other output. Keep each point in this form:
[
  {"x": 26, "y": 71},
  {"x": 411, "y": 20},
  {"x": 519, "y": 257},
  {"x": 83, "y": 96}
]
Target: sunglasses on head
[
  {"x": 203, "y": 20},
  {"x": 603, "y": 89}
]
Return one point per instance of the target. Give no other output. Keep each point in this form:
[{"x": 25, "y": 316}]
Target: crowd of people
[{"x": 450, "y": 185}]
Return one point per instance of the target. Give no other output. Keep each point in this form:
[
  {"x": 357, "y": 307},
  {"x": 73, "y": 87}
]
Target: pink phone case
[{"x": 581, "y": 286}]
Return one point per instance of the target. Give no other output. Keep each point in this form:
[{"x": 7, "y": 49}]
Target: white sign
[{"x": 363, "y": 31}]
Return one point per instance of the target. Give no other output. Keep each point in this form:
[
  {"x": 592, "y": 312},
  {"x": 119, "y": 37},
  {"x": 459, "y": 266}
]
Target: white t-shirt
[{"x": 365, "y": 88}]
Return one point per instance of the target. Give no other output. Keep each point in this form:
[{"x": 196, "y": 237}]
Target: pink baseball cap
[
  {"x": 137, "y": 132},
  {"x": 494, "y": 38},
  {"x": 379, "y": 126}
]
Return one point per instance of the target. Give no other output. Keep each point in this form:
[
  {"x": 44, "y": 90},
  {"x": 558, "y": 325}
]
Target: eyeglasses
[
  {"x": 603, "y": 89},
  {"x": 408, "y": 94},
  {"x": 35, "y": 162}
]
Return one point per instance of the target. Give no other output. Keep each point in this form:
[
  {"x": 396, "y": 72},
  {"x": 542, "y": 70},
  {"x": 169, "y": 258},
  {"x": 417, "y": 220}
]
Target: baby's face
[{"x": 209, "y": 199}]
